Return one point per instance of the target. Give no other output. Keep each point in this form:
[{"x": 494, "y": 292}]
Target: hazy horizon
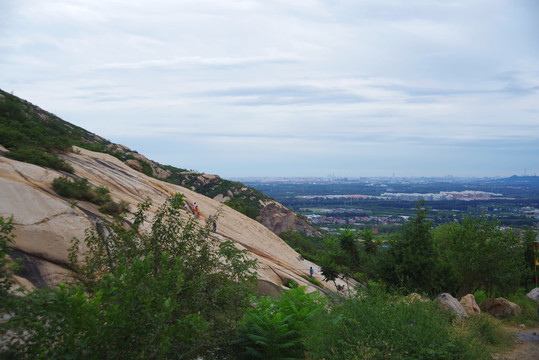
[{"x": 294, "y": 88}]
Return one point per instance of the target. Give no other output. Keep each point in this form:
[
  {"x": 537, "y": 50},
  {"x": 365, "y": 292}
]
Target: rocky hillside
[
  {"x": 45, "y": 222},
  {"x": 18, "y": 114}
]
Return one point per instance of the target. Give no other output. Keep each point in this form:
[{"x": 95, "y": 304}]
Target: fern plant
[{"x": 274, "y": 328}]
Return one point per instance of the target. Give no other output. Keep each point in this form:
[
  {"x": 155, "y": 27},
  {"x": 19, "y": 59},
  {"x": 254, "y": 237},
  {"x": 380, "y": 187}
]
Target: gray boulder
[
  {"x": 534, "y": 294},
  {"x": 452, "y": 305}
]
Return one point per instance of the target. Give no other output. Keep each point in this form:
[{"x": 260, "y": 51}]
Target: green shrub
[
  {"x": 243, "y": 207},
  {"x": 486, "y": 328},
  {"x": 80, "y": 189},
  {"x": 480, "y": 296},
  {"x": 37, "y": 156},
  {"x": 113, "y": 208},
  {"x": 375, "y": 326},
  {"x": 313, "y": 281},
  {"x": 275, "y": 328},
  {"x": 290, "y": 283},
  {"x": 167, "y": 293},
  {"x": 6, "y": 278},
  {"x": 75, "y": 188},
  {"x": 146, "y": 168},
  {"x": 528, "y": 308}
]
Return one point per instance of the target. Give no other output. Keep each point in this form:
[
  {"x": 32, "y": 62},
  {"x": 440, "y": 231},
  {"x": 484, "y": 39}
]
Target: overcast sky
[{"x": 289, "y": 87}]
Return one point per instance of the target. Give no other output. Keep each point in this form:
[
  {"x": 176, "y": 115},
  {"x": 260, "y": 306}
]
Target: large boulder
[
  {"x": 500, "y": 307},
  {"x": 413, "y": 298},
  {"x": 452, "y": 305},
  {"x": 534, "y": 294},
  {"x": 470, "y": 305},
  {"x": 278, "y": 219}
]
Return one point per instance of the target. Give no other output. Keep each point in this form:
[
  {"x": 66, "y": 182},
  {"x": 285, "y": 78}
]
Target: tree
[
  {"x": 482, "y": 255},
  {"x": 369, "y": 243},
  {"x": 163, "y": 291},
  {"x": 348, "y": 242},
  {"x": 411, "y": 261}
]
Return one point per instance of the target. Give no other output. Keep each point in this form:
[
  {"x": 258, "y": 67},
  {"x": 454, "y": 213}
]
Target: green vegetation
[
  {"x": 80, "y": 189},
  {"x": 6, "y": 278},
  {"x": 171, "y": 292},
  {"x": 477, "y": 254},
  {"x": 377, "y": 326},
  {"x": 277, "y": 328},
  {"x": 168, "y": 293},
  {"x": 36, "y": 136},
  {"x": 308, "y": 246},
  {"x": 146, "y": 168},
  {"x": 473, "y": 256},
  {"x": 31, "y": 139},
  {"x": 386, "y": 215},
  {"x": 243, "y": 207}
]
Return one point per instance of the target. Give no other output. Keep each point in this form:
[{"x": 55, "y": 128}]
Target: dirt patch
[{"x": 526, "y": 345}]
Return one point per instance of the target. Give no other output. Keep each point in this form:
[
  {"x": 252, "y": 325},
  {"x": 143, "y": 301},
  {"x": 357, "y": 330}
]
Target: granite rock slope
[{"x": 45, "y": 222}]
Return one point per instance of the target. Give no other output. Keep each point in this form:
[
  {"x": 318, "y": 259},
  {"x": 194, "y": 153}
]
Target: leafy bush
[
  {"x": 290, "y": 283},
  {"x": 313, "y": 281},
  {"x": 275, "y": 328},
  {"x": 146, "y": 168},
  {"x": 167, "y": 293},
  {"x": 528, "y": 307},
  {"x": 75, "y": 188},
  {"x": 114, "y": 208},
  {"x": 243, "y": 207},
  {"x": 80, "y": 189},
  {"x": 375, "y": 326},
  {"x": 485, "y": 328},
  {"x": 479, "y": 296}
]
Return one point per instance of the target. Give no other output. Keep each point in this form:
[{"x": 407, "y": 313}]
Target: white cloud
[{"x": 286, "y": 81}]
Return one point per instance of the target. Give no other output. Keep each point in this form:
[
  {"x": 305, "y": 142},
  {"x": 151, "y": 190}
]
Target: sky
[{"x": 289, "y": 87}]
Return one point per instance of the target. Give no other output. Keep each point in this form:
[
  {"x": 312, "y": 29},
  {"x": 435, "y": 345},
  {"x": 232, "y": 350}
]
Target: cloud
[
  {"x": 200, "y": 61},
  {"x": 300, "y": 85}
]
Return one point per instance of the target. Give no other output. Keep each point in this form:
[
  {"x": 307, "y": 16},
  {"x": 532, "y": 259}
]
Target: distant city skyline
[{"x": 289, "y": 88}]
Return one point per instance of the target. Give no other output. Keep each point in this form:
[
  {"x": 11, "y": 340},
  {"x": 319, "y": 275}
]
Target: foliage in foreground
[
  {"x": 169, "y": 292},
  {"x": 276, "y": 328},
  {"x": 375, "y": 326}
]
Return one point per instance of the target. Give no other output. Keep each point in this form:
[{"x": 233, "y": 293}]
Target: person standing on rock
[{"x": 311, "y": 272}]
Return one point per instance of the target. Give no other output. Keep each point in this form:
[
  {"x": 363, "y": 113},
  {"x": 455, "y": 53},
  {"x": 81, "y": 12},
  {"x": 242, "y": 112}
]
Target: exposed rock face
[
  {"x": 500, "y": 307},
  {"x": 134, "y": 164},
  {"x": 278, "y": 219},
  {"x": 534, "y": 294},
  {"x": 469, "y": 305},
  {"x": 158, "y": 171},
  {"x": 449, "y": 303},
  {"x": 45, "y": 223}
]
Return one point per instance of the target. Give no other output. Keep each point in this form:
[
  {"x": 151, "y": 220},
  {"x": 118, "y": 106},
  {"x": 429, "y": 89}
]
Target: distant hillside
[
  {"x": 33, "y": 135},
  {"x": 520, "y": 180}
]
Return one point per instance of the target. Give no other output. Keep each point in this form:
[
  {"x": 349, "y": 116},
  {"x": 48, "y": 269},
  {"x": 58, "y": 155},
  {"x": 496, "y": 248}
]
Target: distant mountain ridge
[
  {"x": 520, "y": 180},
  {"x": 50, "y": 135}
]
